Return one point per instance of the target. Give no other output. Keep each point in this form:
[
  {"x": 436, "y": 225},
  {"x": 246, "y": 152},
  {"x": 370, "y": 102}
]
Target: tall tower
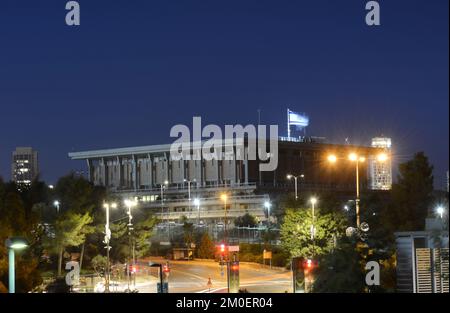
[
  {"x": 381, "y": 171},
  {"x": 24, "y": 166}
]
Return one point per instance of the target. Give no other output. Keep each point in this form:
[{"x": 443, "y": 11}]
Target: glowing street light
[
  {"x": 12, "y": 244},
  {"x": 56, "y": 204},
  {"x": 440, "y": 210},
  {"x": 353, "y": 157},
  {"x": 267, "y": 205},
  {"x": 295, "y": 177},
  {"x": 382, "y": 157},
  {"x": 332, "y": 158}
]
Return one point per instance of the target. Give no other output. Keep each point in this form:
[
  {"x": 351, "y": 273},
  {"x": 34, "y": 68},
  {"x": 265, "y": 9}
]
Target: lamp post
[
  {"x": 290, "y": 176},
  {"x": 12, "y": 244},
  {"x": 224, "y": 198},
  {"x": 56, "y": 204},
  {"x": 353, "y": 157},
  {"x": 162, "y": 197},
  {"x": 357, "y": 159},
  {"x": 107, "y": 206},
  {"x": 267, "y": 205},
  {"x": 197, "y": 203},
  {"x": 189, "y": 187},
  {"x": 313, "y": 201},
  {"x": 129, "y": 204}
]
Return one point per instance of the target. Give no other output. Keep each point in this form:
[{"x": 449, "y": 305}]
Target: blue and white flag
[{"x": 297, "y": 119}]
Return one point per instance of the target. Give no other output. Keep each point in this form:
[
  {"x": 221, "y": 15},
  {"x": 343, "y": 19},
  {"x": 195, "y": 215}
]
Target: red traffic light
[
  {"x": 166, "y": 269},
  {"x": 133, "y": 268},
  {"x": 235, "y": 267}
]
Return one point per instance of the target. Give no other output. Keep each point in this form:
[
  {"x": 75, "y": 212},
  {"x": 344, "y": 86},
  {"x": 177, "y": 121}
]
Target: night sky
[{"x": 133, "y": 69}]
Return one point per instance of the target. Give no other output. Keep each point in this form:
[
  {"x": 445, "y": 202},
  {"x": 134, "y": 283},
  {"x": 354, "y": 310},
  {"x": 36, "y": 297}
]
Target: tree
[
  {"x": 143, "y": 232},
  {"x": 295, "y": 232},
  {"x": 99, "y": 264},
  {"x": 78, "y": 195},
  {"x": 246, "y": 220},
  {"x": 340, "y": 270},
  {"x": 188, "y": 231},
  {"x": 206, "y": 248},
  {"x": 15, "y": 221},
  {"x": 69, "y": 231},
  {"x": 411, "y": 195}
]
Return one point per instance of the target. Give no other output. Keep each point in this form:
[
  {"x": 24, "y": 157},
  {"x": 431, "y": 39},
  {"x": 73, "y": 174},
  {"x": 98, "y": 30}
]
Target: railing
[
  {"x": 205, "y": 201},
  {"x": 184, "y": 187},
  {"x": 193, "y": 214}
]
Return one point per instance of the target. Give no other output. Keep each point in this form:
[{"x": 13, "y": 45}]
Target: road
[{"x": 192, "y": 277}]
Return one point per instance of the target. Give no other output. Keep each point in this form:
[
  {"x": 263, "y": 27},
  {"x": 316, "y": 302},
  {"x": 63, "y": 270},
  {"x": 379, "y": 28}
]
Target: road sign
[
  {"x": 267, "y": 254},
  {"x": 165, "y": 288},
  {"x": 233, "y": 248}
]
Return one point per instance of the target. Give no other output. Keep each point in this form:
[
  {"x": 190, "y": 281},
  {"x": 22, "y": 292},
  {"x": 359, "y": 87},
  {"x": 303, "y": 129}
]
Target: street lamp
[
  {"x": 313, "y": 201},
  {"x": 267, "y": 205},
  {"x": 290, "y": 176},
  {"x": 164, "y": 185},
  {"x": 353, "y": 157},
  {"x": 112, "y": 205},
  {"x": 189, "y": 186},
  {"x": 197, "y": 203},
  {"x": 56, "y": 204},
  {"x": 440, "y": 210},
  {"x": 224, "y": 198},
  {"x": 129, "y": 204},
  {"x": 12, "y": 244}
]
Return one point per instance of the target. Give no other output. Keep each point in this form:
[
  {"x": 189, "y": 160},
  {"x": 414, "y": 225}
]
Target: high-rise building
[
  {"x": 381, "y": 172},
  {"x": 24, "y": 166}
]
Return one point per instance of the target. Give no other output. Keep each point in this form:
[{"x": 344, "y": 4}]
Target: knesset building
[{"x": 145, "y": 173}]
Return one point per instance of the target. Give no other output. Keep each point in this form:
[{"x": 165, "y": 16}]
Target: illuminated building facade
[
  {"x": 193, "y": 188},
  {"x": 381, "y": 172},
  {"x": 24, "y": 167}
]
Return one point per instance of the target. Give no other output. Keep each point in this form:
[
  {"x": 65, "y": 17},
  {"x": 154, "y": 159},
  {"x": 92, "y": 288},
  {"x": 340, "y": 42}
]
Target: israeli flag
[{"x": 297, "y": 119}]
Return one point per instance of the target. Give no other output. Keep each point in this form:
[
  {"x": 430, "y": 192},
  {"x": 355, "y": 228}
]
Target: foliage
[
  {"x": 295, "y": 232},
  {"x": 246, "y": 220},
  {"x": 411, "y": 195},
  {"x": 188, "y": 231},
  {"x": 98, "y": 263},
  {"x": 70, "y": 230},
  {"x": 340, "y": 270},
  {"x": 206, "y": 248},
  {"x": 143, "y": 231},
  {"x": 16, "y": 220}
]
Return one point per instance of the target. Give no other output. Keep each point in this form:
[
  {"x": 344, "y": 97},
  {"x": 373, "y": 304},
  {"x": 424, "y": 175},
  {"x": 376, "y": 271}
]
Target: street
[{"x": 192, "y": 277}]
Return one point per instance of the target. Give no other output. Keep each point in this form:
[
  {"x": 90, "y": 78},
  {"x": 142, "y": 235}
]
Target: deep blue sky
[{"x": 135, "y": 68}]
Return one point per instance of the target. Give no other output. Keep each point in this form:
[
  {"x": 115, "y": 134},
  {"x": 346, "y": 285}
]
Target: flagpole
[{"x": 288, "y": 125}]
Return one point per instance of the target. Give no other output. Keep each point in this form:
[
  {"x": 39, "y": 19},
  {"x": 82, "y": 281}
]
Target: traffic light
[
  {"x": 309, "y": 266},
  {"x": 222, "y": 251},
  {"x": 133, "y": 268},
  {"x": 166, "y": 268}
]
